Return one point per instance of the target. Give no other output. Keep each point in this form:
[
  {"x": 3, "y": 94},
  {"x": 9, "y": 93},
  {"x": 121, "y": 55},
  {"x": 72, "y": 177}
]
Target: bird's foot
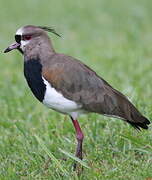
[
  {"x": 78, "y": 168},
  {"x": 46, "y": 164}
]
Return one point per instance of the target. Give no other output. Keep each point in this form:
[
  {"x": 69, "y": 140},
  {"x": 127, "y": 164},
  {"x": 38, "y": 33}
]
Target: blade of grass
[
  {"x": 143, "y": 150},
  {"x": 133, "y": 139},
  {"x": 53, "y": 158},
  {"x": 138, "y": 142},
  {"x": 20, "y": 128},
  {"x": 74, "y": 158}
]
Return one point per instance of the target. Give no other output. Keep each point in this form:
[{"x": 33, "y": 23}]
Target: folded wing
[{"x": 79, "y": 83}]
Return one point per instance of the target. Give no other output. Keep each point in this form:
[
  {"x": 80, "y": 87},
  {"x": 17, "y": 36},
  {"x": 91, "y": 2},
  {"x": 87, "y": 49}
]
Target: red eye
[{"x": 26, "y": 37}]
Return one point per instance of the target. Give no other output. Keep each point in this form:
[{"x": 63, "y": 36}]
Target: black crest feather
[{"x": 49, "y": 29}]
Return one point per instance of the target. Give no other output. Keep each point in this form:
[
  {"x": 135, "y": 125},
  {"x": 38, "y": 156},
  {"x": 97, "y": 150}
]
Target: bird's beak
[{"x": 12, "y": 46}]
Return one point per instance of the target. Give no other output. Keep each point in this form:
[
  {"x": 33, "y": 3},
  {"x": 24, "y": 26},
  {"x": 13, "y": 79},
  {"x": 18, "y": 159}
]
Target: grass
[{"x": 115, "y": 39}]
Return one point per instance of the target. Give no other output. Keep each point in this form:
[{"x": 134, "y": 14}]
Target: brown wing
[{"x": 79, "y": 83}]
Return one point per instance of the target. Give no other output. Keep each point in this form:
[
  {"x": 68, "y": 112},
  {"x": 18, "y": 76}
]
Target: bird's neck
[{"x": 41, "y": 50}]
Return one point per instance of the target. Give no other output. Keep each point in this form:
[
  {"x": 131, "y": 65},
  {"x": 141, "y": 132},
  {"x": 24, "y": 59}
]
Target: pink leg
[{"x": 79, "y": 136}]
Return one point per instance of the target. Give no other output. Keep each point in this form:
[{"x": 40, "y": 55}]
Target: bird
[{"x": 67, "y": 85}]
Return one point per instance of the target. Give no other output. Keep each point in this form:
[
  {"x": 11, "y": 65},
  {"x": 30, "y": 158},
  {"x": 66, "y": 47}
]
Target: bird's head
[{"x": 29, "y": 37}]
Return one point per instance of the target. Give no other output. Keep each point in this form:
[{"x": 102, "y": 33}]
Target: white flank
[{"x": 58, "y": 102}]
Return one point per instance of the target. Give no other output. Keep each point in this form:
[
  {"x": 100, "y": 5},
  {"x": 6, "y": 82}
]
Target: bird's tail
[
  {"x": 136, "y": 119},
  {"x": 130, "y": 113}
]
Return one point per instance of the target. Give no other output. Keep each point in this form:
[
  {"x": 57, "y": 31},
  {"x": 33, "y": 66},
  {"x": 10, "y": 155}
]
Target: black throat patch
[{"x": 33, "y": 75}]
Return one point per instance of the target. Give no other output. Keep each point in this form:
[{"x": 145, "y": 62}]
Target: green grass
[{"x": 112, "y": 37}]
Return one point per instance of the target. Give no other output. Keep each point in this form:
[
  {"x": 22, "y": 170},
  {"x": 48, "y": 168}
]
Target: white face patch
[
  {"x": 23, "y": 42},
  {"x": 19, "y": 31}
]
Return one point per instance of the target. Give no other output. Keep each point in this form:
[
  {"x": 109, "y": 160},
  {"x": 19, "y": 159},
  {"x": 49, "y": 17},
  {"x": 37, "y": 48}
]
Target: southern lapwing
[{"x": 66, "y": 85}]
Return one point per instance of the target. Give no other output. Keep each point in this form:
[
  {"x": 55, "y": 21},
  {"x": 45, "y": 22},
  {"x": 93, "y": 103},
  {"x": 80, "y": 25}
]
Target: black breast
[{"x": 33, "y": 75}]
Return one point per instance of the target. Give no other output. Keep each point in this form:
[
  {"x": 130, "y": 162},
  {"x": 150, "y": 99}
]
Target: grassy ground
[{"x": 115, "y": 39}]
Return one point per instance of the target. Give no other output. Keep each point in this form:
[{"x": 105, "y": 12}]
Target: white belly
[{"x": 58, "y": 102}]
